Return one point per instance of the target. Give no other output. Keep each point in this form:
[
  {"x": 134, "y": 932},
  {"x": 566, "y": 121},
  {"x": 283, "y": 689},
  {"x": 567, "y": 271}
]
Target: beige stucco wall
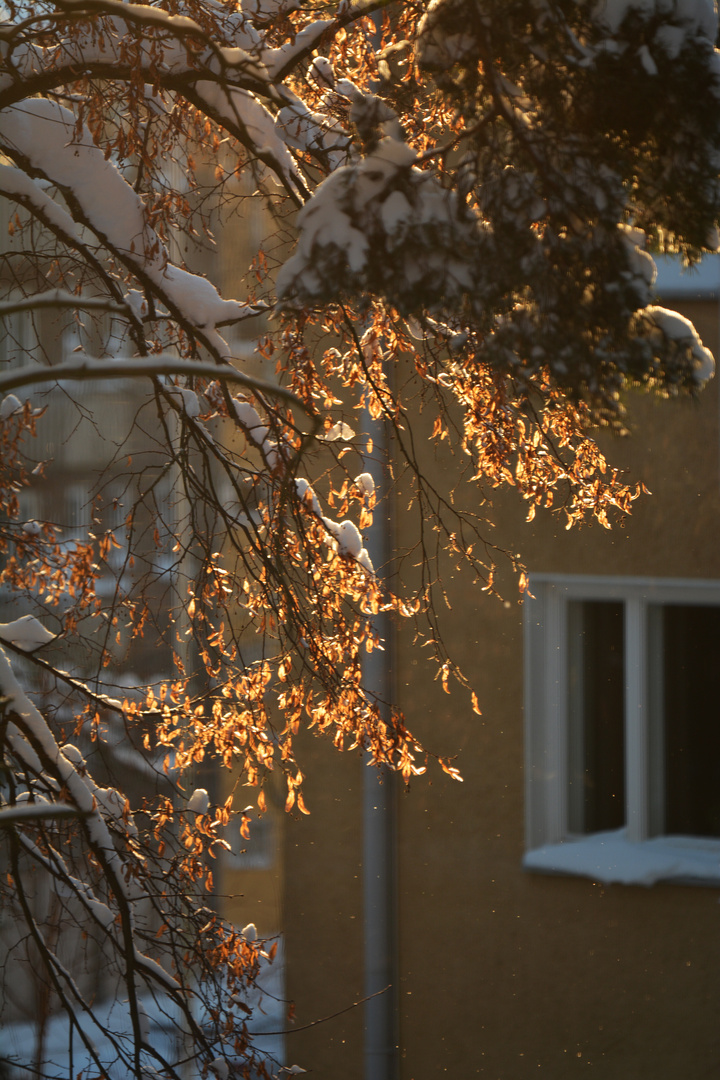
[{"x": 506, "y": 974}]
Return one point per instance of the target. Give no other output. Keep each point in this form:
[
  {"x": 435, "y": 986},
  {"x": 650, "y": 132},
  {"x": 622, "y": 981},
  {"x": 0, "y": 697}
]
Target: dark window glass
[
  {"x": 691, "y": 707},
  {"x": 596, "y": 716}
]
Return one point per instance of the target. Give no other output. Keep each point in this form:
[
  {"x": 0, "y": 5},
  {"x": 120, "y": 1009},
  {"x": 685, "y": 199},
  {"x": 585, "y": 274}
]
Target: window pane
[
  {"x": 691, "y": 683},
  {"x": 596, "y": 711}
]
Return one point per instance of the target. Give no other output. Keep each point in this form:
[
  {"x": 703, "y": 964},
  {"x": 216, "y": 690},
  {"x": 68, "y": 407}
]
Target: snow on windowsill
[{"x": 609, "y": 857}]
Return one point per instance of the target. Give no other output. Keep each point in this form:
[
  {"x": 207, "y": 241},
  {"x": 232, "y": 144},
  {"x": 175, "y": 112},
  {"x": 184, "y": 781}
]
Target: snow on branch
[
  {"x": 16, "y": 183},
  {"x": 14, "y": 815},
  {"x": 45, "y": 135},
  {"x": 148, "y": 366},
  {"x": 57, "y": 298},
  {"x": 26, "y": 633},
  {"x": 240, "y": 110},
  {"x": 142, "y": 14}
]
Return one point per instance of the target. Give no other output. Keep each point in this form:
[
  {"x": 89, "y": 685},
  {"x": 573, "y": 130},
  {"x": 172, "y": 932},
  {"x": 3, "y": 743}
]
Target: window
[{"x": 622, "y": 706}]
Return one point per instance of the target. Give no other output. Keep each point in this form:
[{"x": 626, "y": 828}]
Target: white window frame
[{"x": 629, "y": 855}]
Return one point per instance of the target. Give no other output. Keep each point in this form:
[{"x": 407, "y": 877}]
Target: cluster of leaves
[{"x": 473, "y": 218}]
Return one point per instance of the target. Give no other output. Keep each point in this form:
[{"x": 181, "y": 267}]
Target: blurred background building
[{"x": 557, "y": 912}]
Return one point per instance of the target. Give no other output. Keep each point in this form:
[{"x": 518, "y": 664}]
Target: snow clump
[{"x": 199, "y": 801}]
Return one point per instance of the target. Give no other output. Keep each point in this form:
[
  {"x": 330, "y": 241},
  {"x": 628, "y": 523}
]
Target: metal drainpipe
[
  {"x": 379, "y": 813},
  {"x": 380, "y": 907}
]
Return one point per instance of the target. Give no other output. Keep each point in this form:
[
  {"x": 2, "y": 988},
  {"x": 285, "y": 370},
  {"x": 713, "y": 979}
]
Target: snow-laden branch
[
  {"x": 45, "y": 136},
  {"x": 148, "y": 366},
  {"x": 33, "y": 61},
  {"x": 16, "y": 184},
  {"x": 102, "y": 811},
  {"x": 239, "y": 110},
  {"x": 32, "y": 741},
  {"x": 37, "y": 811},
  {"x": 226, "y": 81},
  {"x": 58, "y": 298},
  {"x": 308, "y": 40},
  {"x": 146, "y": 16},
  {"x": 22, "y": 189}
]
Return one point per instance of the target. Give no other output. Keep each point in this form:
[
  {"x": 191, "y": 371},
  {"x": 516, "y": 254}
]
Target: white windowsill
[{"x": 610, "y": 857}]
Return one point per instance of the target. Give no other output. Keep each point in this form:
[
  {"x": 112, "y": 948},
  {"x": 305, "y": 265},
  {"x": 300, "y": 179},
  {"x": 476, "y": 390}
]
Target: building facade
[{"x": 559, "y": 909}]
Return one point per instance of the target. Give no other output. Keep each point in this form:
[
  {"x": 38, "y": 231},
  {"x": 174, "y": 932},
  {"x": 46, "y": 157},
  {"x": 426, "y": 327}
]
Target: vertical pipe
[
  {"x": 381, "y": 1042},
  {"x": 379, "y": 811},
  {"x": 636, "y": 720},
  {"x": 381, "y": 1049}
]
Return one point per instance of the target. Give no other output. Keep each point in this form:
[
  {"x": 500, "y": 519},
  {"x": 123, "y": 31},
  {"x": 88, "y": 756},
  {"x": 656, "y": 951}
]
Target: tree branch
[
  {"x": 58, "y": 298},
  {"x": 149, "y": 366}
]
